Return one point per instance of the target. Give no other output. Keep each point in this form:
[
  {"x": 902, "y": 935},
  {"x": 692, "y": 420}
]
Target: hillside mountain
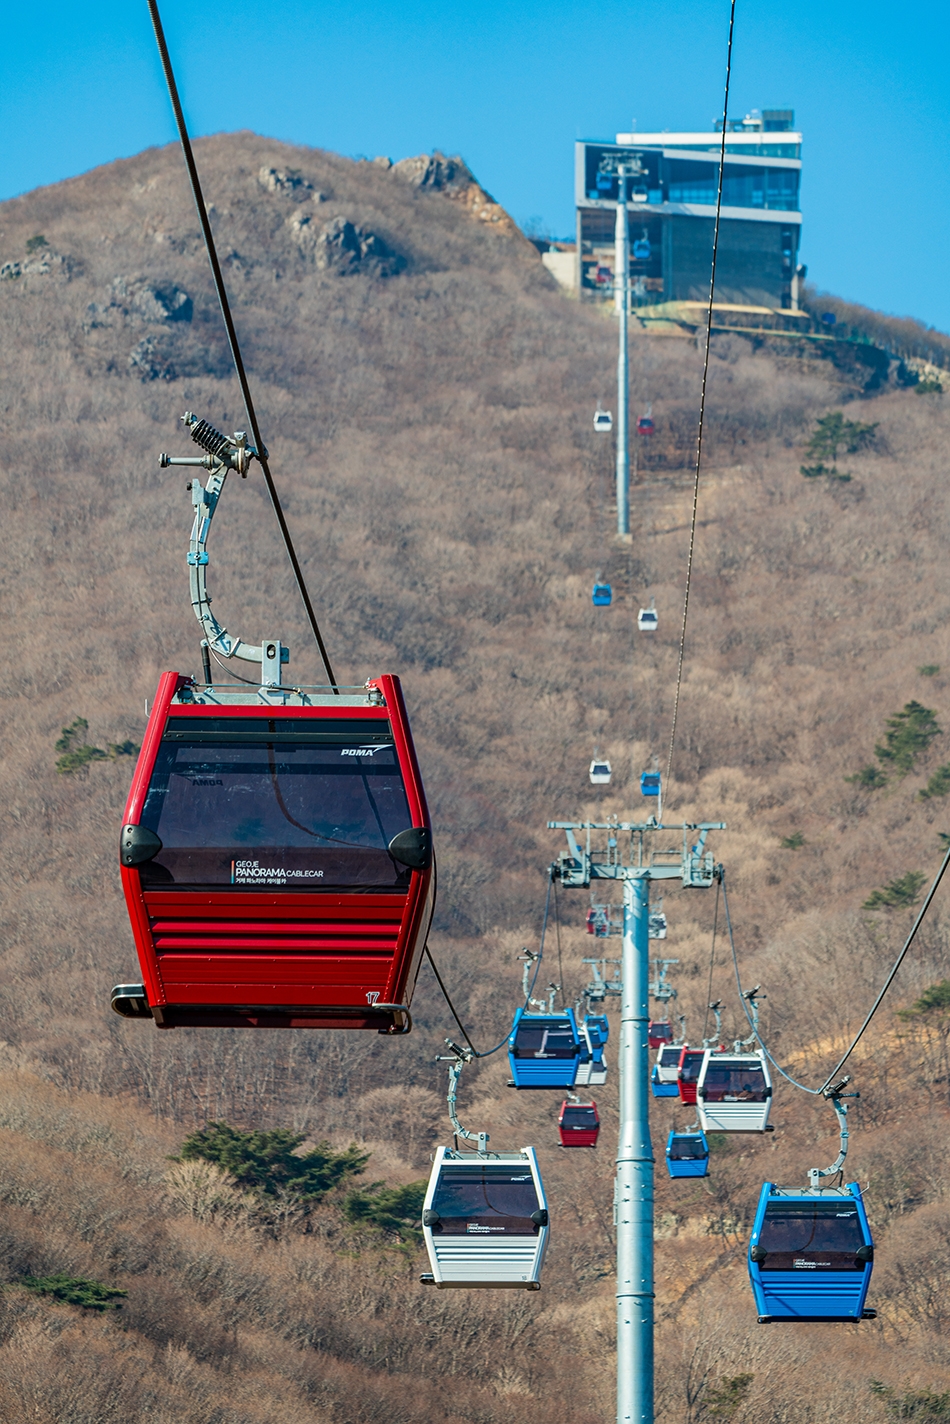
[{"x": 426, "y": 395}]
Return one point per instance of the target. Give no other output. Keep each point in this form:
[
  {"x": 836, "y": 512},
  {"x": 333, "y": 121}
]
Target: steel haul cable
[
  {"x": 232, "y": 336},
  {"x": 537, "y": 969},
  {"x": 877, "y": 1002},
  {"x": 702, "y": 399}
]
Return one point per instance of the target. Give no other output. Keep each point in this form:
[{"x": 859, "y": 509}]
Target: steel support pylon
[
  {"x": 634, "y": 1184},
  {"x": 622, "y": 301}
]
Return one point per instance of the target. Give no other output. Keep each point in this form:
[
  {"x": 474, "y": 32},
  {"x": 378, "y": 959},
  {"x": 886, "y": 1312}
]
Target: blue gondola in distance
[
  {"x": 687, "y": 1154},
  {"x": 602, "y": 595},
  {"x": 811, "y": 1254},
  {"x": 544, "y": 1050},
  {"x": 649, "y": 783}
]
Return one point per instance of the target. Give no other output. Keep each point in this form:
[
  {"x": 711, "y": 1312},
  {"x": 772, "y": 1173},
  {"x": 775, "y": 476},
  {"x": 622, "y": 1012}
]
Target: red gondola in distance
[
  {"x": 276, "y": 860},
  {"x": 691, "y": 1061},
  {"x": 578, "y": 1124},
  {"x": 659, "y": 1031}
]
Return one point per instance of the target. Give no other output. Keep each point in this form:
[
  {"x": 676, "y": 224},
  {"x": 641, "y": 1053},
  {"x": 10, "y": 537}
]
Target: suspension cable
[
  {"x": 743, "y": 1001},
  {"x": 712, "y": 953},
  {"x": 537, "y": 970},
  {"x": 702, "y": 399},
  {"x": 877, "y": 1002},
  {"x": 216, "y": 273}
]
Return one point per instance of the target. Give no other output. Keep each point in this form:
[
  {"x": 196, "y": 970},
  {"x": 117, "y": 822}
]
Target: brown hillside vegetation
[{"x": 426, "y": 395}]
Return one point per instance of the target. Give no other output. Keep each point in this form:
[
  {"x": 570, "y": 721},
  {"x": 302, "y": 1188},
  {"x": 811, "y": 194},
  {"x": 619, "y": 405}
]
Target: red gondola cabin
[
  {"x": 659, "y": 1031},
  {"x": 578, "y": 1124},
  {"x": 276, "y": 860},
  {"x": 691, "y": 1061}
]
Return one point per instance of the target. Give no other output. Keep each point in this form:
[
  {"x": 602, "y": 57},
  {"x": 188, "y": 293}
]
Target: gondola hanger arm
[
  {"x": 834, "y": 1096},
  {"x": 457, "y": 1060},
  {"x": 224, "y": 453}
]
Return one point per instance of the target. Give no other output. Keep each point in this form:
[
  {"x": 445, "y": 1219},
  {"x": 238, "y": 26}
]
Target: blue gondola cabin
[{"x": 811, "y": 1254}]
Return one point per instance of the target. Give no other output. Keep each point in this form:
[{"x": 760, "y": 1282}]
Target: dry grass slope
[{"x": 428, "y": 411}]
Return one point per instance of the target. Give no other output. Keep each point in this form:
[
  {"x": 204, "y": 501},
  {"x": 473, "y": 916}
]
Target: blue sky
[{"x": 510, "y": 87}]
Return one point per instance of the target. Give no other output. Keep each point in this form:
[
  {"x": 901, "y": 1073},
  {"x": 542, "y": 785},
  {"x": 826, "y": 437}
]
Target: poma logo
[
  {"x": 373, "y": 997},
  {"x": 359, "y": 751}
]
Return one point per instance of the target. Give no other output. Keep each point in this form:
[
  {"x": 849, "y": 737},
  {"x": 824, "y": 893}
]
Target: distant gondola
[
  {"x": 602, "y": 595},
  {"x": 659, "y": 1031},
  {"x": 733, "y": 1092},
  {"x": 578, "y": 1124},
  {"x": 544, "y": 1050},
  {"x": 690, "y": 1064},
  {"x": 687, "y": 1154},
  {"x": 592, "y": 1066},
  {"x": 664, "y": 1078}
]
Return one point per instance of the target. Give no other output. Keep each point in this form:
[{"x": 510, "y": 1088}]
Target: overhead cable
[
  {"x": 259, "y": 448},
  {"x": 702, "y": 399},
  {"x": 537, "y": 969},
  {"x": 877, "y": 1002}
]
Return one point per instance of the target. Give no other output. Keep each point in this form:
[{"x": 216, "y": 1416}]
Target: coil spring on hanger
[{"x": 204, "y": 434}]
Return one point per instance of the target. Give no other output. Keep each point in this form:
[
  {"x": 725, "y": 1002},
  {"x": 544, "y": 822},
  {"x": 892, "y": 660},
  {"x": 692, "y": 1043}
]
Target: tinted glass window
[
  {"x": 689, "y": 1070},
  {"x": 489, "y": 1201},
  {"x": 688, "y": 1148},
  {"x": 811, "y": 1236},
  {"x": 300, "y": 811},
  {"x": 669, "y": 1057},
  {"x": 545, "y": 1040},
  {"x": 579, "y": 1117},
  {"x": 733, "y": 1082}
]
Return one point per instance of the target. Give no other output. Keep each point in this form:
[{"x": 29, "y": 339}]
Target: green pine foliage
[
  {"x": 929, "y": 670},
  {"x": 723, "y": 1401},
  {"x": 936, "y": 998},
  {"x": 271, "y": 1164},
  {"x": 793, "y": 842},
  {"x": 929, "y": 386},
  {"x": 395, "y": 1211},
  {"x": 909, "y": 734},
  {"x": 76, "y": 753},
  {"x": 898, "y": 894},
  {"x": 831, "y": 434},
  {"x": 922, "y": 1406},
  {"x": 938, "y": 785},
  {"x": 869, "y": 778},
  {"x": 76, "y": 1290},
  {"x": 33, "y": 244}
]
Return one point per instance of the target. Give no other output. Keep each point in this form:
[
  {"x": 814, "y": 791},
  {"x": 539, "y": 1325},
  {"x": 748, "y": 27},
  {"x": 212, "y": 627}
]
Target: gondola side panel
[{"x": 169, "y": 684}]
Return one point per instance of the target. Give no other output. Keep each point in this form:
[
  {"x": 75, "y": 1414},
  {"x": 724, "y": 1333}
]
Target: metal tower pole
[
  {"x": 622, "y": 301},
  {"x": 634, "y": 1185}
]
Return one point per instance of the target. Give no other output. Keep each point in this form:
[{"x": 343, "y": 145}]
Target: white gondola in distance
[
  {"x": 485, "y": 1220},
  {"x": 600, "y": 772},
  {"x": 603, "y": 421},
  {"x": 647, "y": 618},
  {"x": 734, "y": 1092}
]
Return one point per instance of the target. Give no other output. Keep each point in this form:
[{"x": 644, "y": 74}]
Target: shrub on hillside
[
  {"x": 395, "y": 1211},
  {"x": 897, "y": 894},
  {"x": 909, "y": 734},
  {"x": 76, "y": 1290},
  {"x": 76, "y": 753},
  {"x": 270, "y": 1163}
]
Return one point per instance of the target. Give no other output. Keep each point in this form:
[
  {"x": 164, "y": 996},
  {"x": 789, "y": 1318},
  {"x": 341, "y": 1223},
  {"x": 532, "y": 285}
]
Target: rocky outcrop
[
  {"x": 140, "y": 299},
  {"x": 452, "y": 176},
  {"x": 339, "y": 245}
]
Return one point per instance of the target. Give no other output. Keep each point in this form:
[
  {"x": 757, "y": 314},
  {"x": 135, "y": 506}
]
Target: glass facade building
[{"x": 671, "y": 208}]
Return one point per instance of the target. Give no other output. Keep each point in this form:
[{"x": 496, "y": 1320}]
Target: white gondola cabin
[
  {"x": 603, "y": 421},
  {"x": 734, "y": 1092},
  {"x": 600, "y": 772},
  {"x": 647, "y": 618},
  {"x": 485, "y": 1220}
]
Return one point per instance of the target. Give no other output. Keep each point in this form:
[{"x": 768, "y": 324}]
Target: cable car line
[
  {"x": 712, "y": 952},
  {"x": 874, "y": 1008},
  {"x": 259, "y": 449},
  {"x": 702, "y": 398},
  {"x": 537, "y": 970}
]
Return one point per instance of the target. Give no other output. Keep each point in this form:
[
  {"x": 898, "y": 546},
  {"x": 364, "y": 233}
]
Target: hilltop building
[{"x": 671, "y": 212}]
